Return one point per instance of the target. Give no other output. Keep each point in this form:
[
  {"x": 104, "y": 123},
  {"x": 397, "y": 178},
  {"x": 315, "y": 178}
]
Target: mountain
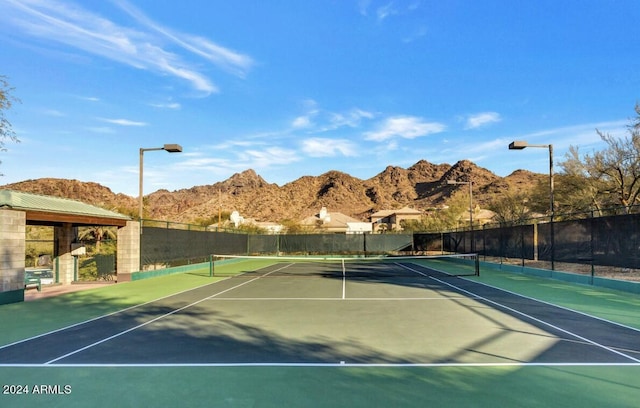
[{"x": 421, "y": 186}]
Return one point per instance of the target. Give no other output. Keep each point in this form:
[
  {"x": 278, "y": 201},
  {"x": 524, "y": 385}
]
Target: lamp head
[
  {"x": 518, "y": 145},
  {"x": 172, "y": 148}
]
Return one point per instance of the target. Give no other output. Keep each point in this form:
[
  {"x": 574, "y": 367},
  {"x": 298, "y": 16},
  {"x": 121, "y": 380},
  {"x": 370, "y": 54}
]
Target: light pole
[
  {"x": 171, "y": 148},
  {"x": 521, "y": 144},
  {"x": 470, "y": 183}
]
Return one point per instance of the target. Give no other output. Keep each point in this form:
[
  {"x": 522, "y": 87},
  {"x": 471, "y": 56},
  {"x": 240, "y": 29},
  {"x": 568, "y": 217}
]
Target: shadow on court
[{"x": 457, "y": 321}]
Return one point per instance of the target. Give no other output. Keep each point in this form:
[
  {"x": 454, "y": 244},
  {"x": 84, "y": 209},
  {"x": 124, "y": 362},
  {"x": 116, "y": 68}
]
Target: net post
[
  {"x": 211, "y": 266},
  {"x": 477, "y": 265}
]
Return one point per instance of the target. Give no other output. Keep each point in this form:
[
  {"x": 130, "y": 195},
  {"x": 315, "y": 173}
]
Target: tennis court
[{"x": 312, "y": 315}]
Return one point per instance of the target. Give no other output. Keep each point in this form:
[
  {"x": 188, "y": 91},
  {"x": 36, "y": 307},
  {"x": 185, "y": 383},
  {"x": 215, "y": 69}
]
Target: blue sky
[{"x": 292, "y": 88}]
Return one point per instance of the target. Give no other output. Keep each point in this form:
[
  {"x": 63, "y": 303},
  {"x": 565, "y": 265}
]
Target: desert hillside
[{"x": 421, "y": 186}]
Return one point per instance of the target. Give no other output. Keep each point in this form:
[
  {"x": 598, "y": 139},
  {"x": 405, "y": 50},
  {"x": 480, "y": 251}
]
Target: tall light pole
[
  {"x": 521, "y": 144},
  {"x": 171, "y": 148},
  {"x": 470, "y": 183}
]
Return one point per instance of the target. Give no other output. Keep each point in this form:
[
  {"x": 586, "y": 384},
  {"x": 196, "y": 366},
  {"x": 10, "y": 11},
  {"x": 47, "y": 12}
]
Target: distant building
[
  {"x": 239, "y": 221},
  {"x": 390, "y": 219},
  {"x": 336, "y": 222},
  {"x": 269, "y": 227}
]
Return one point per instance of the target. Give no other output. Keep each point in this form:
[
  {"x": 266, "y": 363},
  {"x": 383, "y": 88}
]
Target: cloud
[
  {"x": 318, "y": 120},
  {"x": 324, "y": 147},
  {"x": 582, "y": 135},
  {"x": 301, "y": 122},
  {"x": 407, "y": 127},
  {"x": 363, "y": 6},
  {"x": 170, "y": 105},
  {"x": 305, "y": 120},
  {"x": 103, "y": 130},
  {"x": 142, "y": 47},
  {"x": 385, "y": 11},
  {"x": 416, "y": 34},
  {"x": 267, "y": 157},
  {"x": 482, "y": 119},
  {"x": 123, "y": 122},
  {"x": 224, "y": 58},
  {"x": 53, "y": 112},
  {"x": 89, "y": 98},
  {"x": 353, "y": 118}
]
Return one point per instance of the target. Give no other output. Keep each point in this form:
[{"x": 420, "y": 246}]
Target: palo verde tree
[
  {"x": 613, "y": 173},
  {"x": 6, "y": 102},
  {"x": 511, "y": 207},
  {"x": 454, "y": 215}
]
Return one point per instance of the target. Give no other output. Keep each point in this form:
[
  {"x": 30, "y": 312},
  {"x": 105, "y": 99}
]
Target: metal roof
[{"x": 65, "y": 208}]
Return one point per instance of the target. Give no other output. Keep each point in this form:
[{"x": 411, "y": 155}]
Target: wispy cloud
[
  {"x": 305, "y": 120},
  {"x": 169, "y": 105},
  {"x": 101, "y": 130},
  {"x": 222, "y": 57},
  {"x": 123, "y": 122},
  {"x": 416, "y": 34},
  {"x": 406, "y": 127},
  {"x": 325, "y": 147},
  {"x": 89, "y": 98},
  {"x": 352, "y": 118},
  {"x": 482, "y": 119},
  {"x": 363, "y": 6},
  {"x": 267, "y": 157},
  {"x": 389, "y": 9},
  {"x": 141, "y": 47},
  {"x": 53, "y": 112},
  {"x": 318, "y": 120},
  {"x": 301, "y": 122},
  {"x": 385, "y": 11},
  {"x": 578, "y": 135}
]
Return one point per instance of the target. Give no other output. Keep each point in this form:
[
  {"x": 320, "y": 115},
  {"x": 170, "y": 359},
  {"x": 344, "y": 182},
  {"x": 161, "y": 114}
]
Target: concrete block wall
[
  {"x": 128, "y": 250},
  {"x": 64, "y": 265},
  {"x": 12, "y": 250}
]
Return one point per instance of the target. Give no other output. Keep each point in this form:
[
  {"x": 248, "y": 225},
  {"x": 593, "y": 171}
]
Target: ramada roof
[{"x": 47, "y": 210}]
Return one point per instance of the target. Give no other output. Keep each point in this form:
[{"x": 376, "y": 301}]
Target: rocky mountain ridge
[{"x": 421, "y": 186}]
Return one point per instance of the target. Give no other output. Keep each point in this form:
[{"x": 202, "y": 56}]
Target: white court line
[
  {"x": 311, "y": 365},
  {"x": 594, "y": 343},
  {"x": 344, "y": 281},
  {"x": 106, "y": 315},
  {"x": 374, "y": 299},
  {"x": 49, "y": 364},
  {"x": 155, "y": 319}
]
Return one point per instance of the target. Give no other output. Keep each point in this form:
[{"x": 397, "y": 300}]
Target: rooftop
[{"x": 54, "y": 210}]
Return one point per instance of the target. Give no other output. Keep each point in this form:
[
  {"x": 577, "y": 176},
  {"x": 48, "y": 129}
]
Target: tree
[
  {"x": 97, "y": 234},
  {"x": 511, "y": 207},
  {"x": 294, "y": 226},
  {"x": 448, "y": 218},
  {"x": 6, "y": 102},
  {"x": 614, "y": 170}
]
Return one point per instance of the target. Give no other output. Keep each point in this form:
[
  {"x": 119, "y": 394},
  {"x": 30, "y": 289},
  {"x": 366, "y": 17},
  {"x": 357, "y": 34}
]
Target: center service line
[{"x": 344, "y": 281}]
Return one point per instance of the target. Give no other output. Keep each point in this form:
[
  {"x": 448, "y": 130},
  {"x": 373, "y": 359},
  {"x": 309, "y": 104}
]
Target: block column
[
  {"x": 128, "y": 250},
  {"x": 12, "y": 253},
  {"x": 64, "y": 264}
]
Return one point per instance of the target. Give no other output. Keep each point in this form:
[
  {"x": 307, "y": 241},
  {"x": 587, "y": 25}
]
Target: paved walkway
[{"x": 55, "y": 290}]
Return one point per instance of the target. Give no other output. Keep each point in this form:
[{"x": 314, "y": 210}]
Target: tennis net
[{"x": 354, "y": 267}]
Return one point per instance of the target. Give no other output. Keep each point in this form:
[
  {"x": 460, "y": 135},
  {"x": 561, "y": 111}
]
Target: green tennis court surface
[{"x": 336, "y": 334}]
